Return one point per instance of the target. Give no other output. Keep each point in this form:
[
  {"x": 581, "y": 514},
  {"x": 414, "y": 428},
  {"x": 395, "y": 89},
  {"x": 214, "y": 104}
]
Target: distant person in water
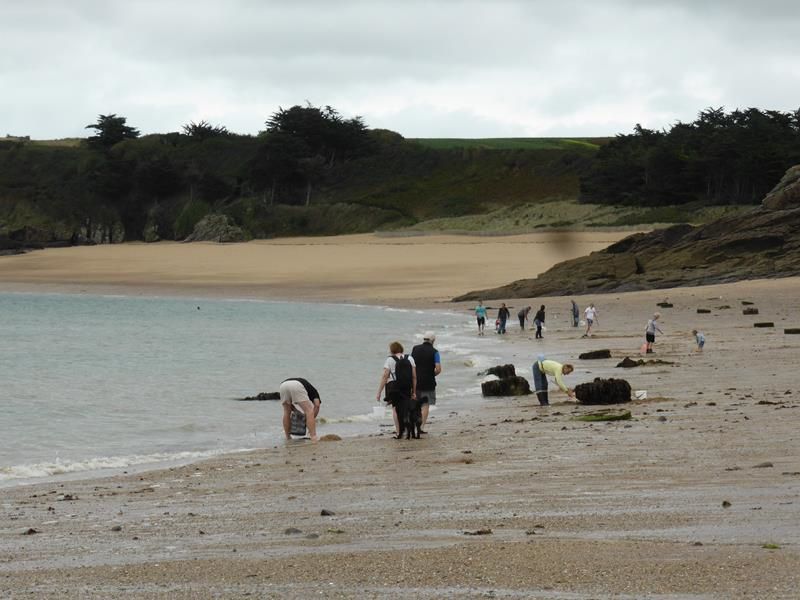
[
  {"x": 575, "y": 314},
  {"x": 502, "y": 316},
  {"x": 298, "y": 393},
  {"x": 538, "y": 320},
  {"x": 543, "y": 368},
  {"x": 650, "y": 333},
  {"x": 699, "y": 339},
  {"x": 480, "y": 315},
  {"x": 590, "y": 314},
  {"x": 523, "y": 316}
]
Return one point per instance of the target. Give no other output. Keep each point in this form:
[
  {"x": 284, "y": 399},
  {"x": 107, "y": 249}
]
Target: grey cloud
[{"x": 442, "y": 68}]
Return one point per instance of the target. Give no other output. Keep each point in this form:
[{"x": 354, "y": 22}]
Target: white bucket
[
  {"x": 640, "y": 394},
  {"x": 378, "y": 411}
]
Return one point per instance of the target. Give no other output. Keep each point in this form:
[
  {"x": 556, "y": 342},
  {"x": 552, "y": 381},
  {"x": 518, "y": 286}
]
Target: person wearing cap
[{"x": 429, "y": 365}]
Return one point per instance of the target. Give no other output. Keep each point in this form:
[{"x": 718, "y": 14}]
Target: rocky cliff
[{"x": 762, "y": 243}]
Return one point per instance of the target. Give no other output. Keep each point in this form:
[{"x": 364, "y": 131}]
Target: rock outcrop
[
  {"x": 263, "y": 396},
  {"x": 216, "y": 228},
  {"x": 762, "y": 243},
  {"x": 785, "y": 195}
]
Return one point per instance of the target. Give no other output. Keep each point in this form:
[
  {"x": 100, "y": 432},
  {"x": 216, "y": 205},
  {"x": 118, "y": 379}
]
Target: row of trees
[
  {"x": 298, "y": 147},
  {"x": 721, "y": 158}
]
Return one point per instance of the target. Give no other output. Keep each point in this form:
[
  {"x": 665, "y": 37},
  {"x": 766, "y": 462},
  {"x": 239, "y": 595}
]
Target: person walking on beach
[
  {"x": 523, "y": 316},
  {"x": 575, "y": 314},
  {"x": 538, "y": 320},
  {"x": 399, "y": 379},
  {"x": 650, "y": 333},
  {"x": 429, "y": 365},
  {"x": 298, "y": 394},
  {"x": 699, "y": 339},
  {"x": 590, "y": 314},
  {"x": 502, "y": 315},
  {"x": 541, "y": 369},
  {"x": 480, "y": 314}
]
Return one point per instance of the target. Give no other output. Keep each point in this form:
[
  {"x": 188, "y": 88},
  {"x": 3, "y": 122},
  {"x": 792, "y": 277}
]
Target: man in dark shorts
[{"x": 429, "y": 365}]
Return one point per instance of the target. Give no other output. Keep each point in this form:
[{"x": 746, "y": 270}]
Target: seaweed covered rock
[
  {"x": 595, "y": 354},
  {"x": 629, "y": 363},
  {"x": 509, "y": 386},
  {"x": 264, "y": 396},
  {"x": 603, "y": 391},
  {"x": 502, "y": 371}
]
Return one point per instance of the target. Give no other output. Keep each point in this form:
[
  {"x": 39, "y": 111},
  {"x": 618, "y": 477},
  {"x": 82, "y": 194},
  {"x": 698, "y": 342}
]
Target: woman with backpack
[{"x": 399, "y": 379}]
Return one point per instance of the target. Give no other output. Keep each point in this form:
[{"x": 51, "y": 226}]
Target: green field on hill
[{"x": 511, "y": 143}]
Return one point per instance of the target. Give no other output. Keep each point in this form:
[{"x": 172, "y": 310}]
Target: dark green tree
[
  {"x": 204, "y": 130},
  {"x": 111, "y": 130}
]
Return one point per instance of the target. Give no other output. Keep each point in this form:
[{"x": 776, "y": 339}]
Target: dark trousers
[{"x": 540, "y": 385}]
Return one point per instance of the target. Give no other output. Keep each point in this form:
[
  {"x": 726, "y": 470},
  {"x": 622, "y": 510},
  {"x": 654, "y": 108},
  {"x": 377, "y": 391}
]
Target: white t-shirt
[
  {"x": 590, "y": 313},
  {"x": 391, "y": 364}
]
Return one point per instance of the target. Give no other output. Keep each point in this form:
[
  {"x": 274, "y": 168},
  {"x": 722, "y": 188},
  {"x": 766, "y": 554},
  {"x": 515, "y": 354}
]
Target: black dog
[{"x": 409, "y": 415}]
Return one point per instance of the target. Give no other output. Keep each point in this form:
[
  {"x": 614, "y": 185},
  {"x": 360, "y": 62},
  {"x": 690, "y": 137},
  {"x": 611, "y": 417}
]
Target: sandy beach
[
  {"x": 394, "y": 270},
  {"x": 696, "y": 496}
]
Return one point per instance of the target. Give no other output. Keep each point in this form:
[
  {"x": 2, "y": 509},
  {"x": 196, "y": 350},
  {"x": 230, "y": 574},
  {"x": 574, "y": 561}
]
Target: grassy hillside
[{"x": 159, "y": 186}]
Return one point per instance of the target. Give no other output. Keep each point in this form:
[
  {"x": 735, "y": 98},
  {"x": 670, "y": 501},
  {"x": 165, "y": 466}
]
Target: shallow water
[{"x": 94, "y": 382}]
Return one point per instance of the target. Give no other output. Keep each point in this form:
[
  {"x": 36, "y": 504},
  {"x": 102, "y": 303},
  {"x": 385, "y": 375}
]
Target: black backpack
[{"x": 403, "y": 375}]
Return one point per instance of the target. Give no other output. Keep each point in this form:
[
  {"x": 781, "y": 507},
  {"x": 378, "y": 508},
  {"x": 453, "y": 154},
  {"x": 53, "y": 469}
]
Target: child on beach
[
  {"x": 699, "y": 339},
  {"x": 650, "y": 333}
]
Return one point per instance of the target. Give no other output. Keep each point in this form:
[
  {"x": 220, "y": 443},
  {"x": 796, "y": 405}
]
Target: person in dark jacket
[
  {"x": 429, "y": 365},
  {"x": 502, "y": 316},
  {"x": 538, "y": 320}
]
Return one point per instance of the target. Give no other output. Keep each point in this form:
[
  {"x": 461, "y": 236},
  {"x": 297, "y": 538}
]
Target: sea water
[{"x": 91, "y": 382}]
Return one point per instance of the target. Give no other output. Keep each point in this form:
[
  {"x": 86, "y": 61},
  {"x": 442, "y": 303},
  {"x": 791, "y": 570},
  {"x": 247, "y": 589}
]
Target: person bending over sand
[
  {"x": 699, "y": 339},
  {"x": 543, "y": 368},
  {"x": 298, "y": 392}
]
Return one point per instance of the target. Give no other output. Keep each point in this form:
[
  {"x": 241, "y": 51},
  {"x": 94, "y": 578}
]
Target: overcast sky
[{"x": 442, "y": 68}]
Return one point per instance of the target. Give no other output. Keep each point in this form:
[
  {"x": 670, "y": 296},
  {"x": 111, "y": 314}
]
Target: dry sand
[
  {"x": 354, "y": 268},
  {"x": 567, "y": 509}
]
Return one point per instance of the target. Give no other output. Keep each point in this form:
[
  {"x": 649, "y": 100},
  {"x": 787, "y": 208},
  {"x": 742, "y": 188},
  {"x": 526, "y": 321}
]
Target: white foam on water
[{"x": 100, "y": 463}]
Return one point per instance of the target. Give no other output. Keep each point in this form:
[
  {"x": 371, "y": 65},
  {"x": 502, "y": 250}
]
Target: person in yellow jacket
[{"x": 541, "y": 369}]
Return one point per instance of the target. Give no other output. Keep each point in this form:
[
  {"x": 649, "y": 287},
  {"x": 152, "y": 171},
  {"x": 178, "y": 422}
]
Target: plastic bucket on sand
[
  {"x": 640, "y": 394},
  {"x": 378, "y": 412}
]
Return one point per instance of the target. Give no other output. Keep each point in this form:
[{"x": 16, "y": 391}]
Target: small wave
[
  {"x": 60, "y": 467},
  {"x": 372, "y": 417}
]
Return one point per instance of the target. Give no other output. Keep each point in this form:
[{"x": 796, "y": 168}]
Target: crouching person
[
  {"x": 299, "y": 393},
  {"x": 543, "y": 368}
]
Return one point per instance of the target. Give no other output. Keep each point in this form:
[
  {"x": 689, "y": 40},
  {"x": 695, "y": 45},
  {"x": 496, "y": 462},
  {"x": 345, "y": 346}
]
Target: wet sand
[{"x": 697, "y": 496}]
